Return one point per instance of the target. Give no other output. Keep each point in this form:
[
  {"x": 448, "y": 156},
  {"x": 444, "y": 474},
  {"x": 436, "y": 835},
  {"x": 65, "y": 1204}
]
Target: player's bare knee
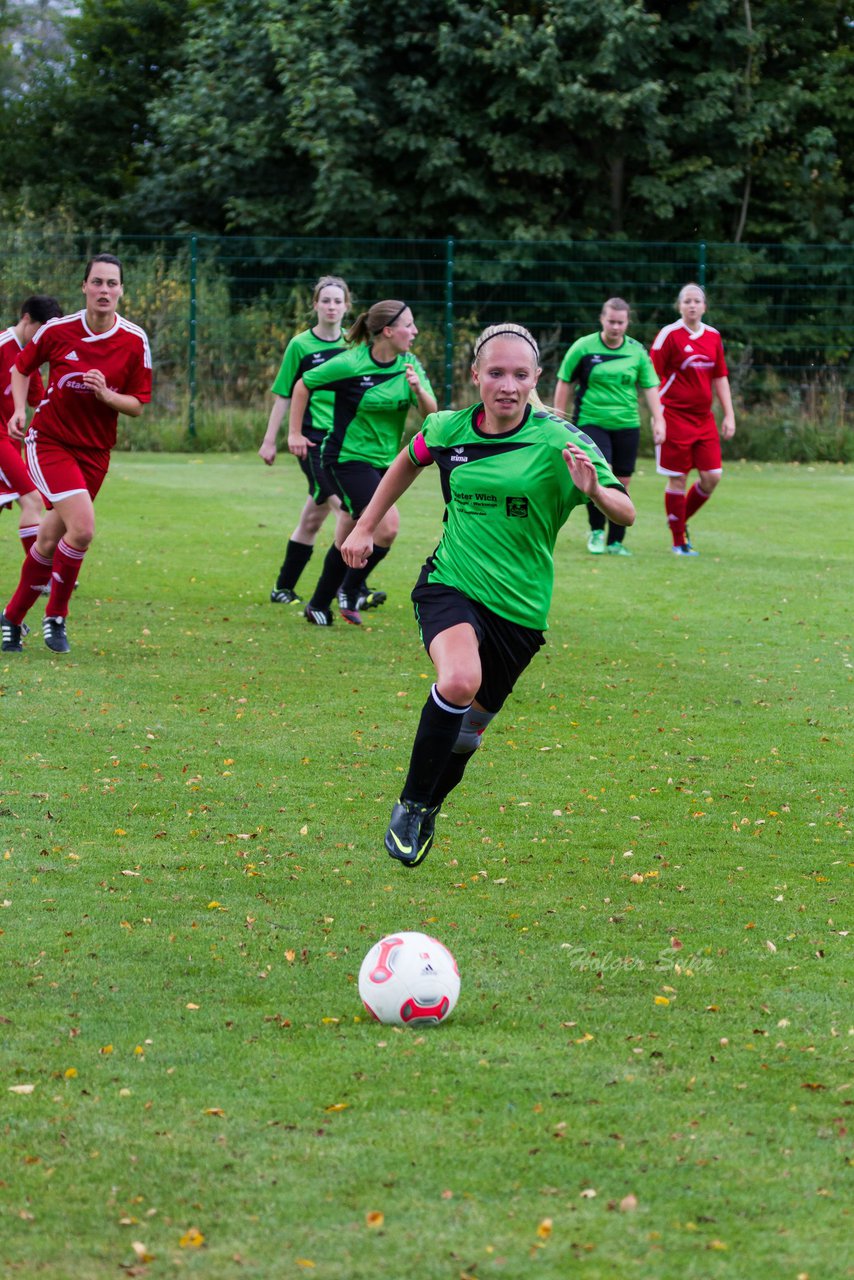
[
  {"x": 709, "y": 480},
  {"x": 459, "y": 686}
]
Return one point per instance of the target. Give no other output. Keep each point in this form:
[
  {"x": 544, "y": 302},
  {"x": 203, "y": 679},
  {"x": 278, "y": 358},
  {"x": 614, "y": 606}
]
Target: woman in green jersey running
[
  {"x": 374, "y": 384},
  {"x": 511, "y": 473},
  {"x": 607, "y": 368},
  {"x": 330, "y": 301}
]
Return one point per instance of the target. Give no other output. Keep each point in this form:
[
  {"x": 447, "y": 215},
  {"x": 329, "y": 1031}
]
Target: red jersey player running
[
  {"x": 16, "y": 483},
  {"x": 100, "y": 366},
  {"x": 689, "y": 358}
]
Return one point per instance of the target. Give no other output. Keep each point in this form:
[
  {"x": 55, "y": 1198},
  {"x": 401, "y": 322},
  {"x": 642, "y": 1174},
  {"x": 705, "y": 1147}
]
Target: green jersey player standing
[
  {"x": 511, "y": 473},
  {"x": 330, "y": 302},
  {"x": 607, "y": 368}
]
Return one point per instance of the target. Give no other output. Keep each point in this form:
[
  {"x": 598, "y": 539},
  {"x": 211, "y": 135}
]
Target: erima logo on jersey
[
  {"x": 72, "y": 355},
  {"x": 459, "y": 454},
  {"x": 367, "y": 380}
]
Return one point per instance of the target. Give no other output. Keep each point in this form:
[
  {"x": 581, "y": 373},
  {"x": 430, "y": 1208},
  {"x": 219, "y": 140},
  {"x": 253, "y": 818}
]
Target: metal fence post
[
  {"x": 701, "y": 266},
  {"x": 191, "y": 352},
  {"x": 449, "y": 321}
]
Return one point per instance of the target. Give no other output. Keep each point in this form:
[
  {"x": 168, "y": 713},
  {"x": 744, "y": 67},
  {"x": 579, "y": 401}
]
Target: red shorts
[
  {"x": 58, "y": 473},
  {"x": 15, "y": 478},
  {"x": 690, "y": 443}
]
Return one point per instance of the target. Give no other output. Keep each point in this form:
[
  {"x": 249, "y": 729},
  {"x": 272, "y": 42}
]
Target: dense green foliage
[
  {"x": 643, "y": 879},
  {"x": 725, "y": 120}
]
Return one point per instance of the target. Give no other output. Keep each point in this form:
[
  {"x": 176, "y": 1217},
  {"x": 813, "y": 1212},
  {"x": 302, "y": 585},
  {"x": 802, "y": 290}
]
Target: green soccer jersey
[
  {"x": 506, "y": 499},
  {"x": 608, "y": 379},
  {"x": 307, "y": 351},
  {"x": 371, "y": 401}
]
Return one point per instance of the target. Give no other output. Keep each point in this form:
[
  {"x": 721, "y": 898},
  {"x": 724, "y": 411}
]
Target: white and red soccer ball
[{"x": 409, "y": 979}]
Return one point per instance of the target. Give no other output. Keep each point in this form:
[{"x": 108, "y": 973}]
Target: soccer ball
[{"x": 409, "y": 979}]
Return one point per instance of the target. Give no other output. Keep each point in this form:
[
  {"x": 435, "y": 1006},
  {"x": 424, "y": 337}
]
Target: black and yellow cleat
[{"x": 409, "y": 837}]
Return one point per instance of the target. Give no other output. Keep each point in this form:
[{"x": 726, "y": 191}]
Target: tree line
[{"x": 728, "y": 120}]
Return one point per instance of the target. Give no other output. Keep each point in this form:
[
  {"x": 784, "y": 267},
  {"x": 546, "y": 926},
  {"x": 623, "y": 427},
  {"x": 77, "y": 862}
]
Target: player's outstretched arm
[
  {"x": 615, "y": 504},
  {"x": 394, "y": 483}
]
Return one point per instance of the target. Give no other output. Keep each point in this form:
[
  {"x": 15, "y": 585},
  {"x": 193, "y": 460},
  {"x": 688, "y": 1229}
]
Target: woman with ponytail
[{"x": 374, "y": 384}]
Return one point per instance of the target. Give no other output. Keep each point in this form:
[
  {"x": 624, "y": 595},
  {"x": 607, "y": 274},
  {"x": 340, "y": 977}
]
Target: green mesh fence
[{"x": 220, "y": 311}]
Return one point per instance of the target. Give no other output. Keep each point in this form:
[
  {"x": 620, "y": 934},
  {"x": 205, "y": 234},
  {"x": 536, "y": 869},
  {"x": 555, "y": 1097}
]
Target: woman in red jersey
[
  {"x": 100, "y": 366},
  {"x": 689, "y": 359}
]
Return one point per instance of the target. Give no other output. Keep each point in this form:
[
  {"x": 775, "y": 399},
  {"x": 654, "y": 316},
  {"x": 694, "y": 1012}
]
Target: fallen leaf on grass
[
  {"x": 374, "y": 1219},
  {"x": 21, "y": 1088},
  {"x": 192, "y": 1239},
  {"x": 661, "y": 1000},
  {"x": 544, "y": 1230},
  {"x": 628, "y": 1203},
  {"x": 305, "y": 1262},
  {"x": 589, "y": 1193},
  {"x": 213, "y": 1111},
  {"x": 142, "y": 1254},
  {"x": 337, "y": 1106}
]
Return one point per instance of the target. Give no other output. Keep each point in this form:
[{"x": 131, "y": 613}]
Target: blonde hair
[
  {"x": 690, "y": 285},
  {"x": 326, "y": 282},
  {"x": 370, "y": 323},
  {"x": 500, "y": 331},
  {"x": 616, "y": 304}
]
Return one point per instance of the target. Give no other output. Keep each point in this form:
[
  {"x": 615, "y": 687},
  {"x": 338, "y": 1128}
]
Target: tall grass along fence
[{"x": 220, "y": 311}]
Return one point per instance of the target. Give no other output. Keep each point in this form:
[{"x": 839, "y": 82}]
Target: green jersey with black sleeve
[
  {"x": 607, "y": 381},
  {"x": 303, "y": 352},
  {"x": 506, "y": 499},
  {"x": 370, "y": 404}
]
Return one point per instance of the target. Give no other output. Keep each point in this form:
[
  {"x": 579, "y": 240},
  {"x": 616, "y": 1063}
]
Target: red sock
[
  {"x": 674, "y": 505},
  {"x": 35, "y": 572},
  {"x": 66, "y": 566},
  {"x": 695, "y": 500},
  {"x": 27, "y": 534}
]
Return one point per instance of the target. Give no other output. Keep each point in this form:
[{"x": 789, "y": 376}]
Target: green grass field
[{"x": 644, "y": 878}]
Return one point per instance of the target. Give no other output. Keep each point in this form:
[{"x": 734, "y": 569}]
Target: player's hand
[
  {"x": 412, "y": 377},
  {"x": 267, "y": 453},
  {"x": 356, "y": 549},
  {"x": 581, "y": 469},
  {"x": 728, "y": 427},
  {"x": 299, "y": 445},
  {"x": 97, "y": 383},
  {"x": 17, "y": 426},
  {"x": 659, "y": 431}
]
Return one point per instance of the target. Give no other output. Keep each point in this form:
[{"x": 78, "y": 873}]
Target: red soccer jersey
[
  {"x": 70, "y": 412},
  {"x": 687, "y": 363},
  {"x": 10, "y": 349}
]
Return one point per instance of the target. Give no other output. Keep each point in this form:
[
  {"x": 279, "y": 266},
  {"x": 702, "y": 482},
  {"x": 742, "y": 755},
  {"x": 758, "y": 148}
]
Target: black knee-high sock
[
  {"x": 450, "y": 776},
  {"x": 438, "y": 730},
  {"x": 354, "y": 578},
  {"x": 616, "y": 532},
  {"x": 330, "y": 578},
  {"x": 596, "y": 518},
  {"x": 296, "y": 558}
]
